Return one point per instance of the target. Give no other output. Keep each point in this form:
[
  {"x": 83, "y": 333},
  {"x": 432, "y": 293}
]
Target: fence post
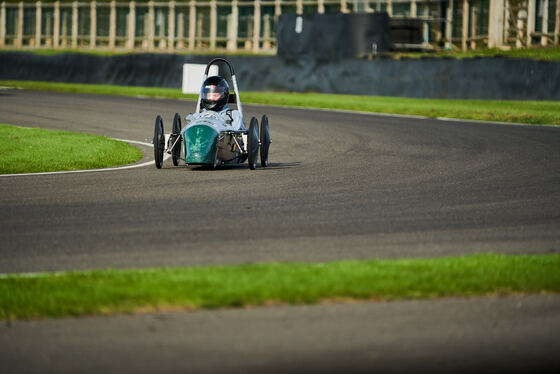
[
  {"x": 131, "y": 25},
  {"x": 413, "y": 8},
  {"x": 474, "y": 16},
  {"x": 56, "y": 26},
  {"x": 256, "y": 25},
  {"x": 180, "y": 30},
  {"x": 171, "y": 27},
  {"x": 266, "y": 32},
  {"x": 299, "y": 7},
  {"x": 449, "y": 25},
  {"x": 496, "y": 24},
  {"x": 519, "y": 35},
  {"x": 3, "y": 24},
  {"x": 321, "y": 6},
  {"x": 544, "y": 28},
  {"x": 233, "y": 27},
  {"x": 20, "y": 25},
  {"x": 213, "y": 24},
  {"x": 557, "y": 25},
  {"x": 151, "y": 28},
  {"x": 74, "y": 24},
  {"x": 389, "y": 8},
  {"x": 506, "y": 21},
  {"x": 465, "y": 25},
  {"x": 92, "y": 25},
  {"x": 278, "y": 7},
  {"x": 38, "y": 19},
  {"x": 192, "y": 25},
  {"x": 112, "y": 24},
  {"x": 64, "y": 30},
  {"x": 531, "y": 10}
]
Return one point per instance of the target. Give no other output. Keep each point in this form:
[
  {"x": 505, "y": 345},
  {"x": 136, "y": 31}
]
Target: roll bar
[{"x": 233, "y": 79}]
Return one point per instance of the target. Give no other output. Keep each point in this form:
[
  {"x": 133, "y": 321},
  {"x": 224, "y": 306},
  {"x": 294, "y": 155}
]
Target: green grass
[
  {"x": 529, "y": 112},
  {"x": 123, "y": 291},
  {"x": 536, "y": 53},
  {"x": 28, "y": 150}
]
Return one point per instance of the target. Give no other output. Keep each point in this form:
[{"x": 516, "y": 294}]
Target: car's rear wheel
[
  {"x": 265, "y": 141},
  {"x": 176, "y": 151},
  {"x": 253, "y": 143},
  {"x": 159, "y": 140}
]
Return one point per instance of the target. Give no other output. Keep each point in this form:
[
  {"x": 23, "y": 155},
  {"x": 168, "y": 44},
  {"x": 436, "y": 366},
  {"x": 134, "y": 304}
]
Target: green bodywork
[{"x": 200, "y": 144}]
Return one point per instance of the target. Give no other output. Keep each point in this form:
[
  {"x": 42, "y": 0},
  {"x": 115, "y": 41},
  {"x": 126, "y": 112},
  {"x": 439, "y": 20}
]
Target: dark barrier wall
[
  {"x": 332, "y": 36},
  {"x": 484, "y": 78}
]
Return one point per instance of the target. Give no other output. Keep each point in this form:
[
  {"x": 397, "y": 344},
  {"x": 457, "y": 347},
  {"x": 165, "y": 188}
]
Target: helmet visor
[{"x": 213, "y": 93}]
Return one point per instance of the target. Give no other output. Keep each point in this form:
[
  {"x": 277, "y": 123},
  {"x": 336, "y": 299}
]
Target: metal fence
[{"x": 250, "y": 25}]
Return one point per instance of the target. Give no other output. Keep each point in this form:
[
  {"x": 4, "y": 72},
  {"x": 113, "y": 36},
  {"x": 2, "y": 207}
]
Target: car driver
[{"x": 214, "y": 97}]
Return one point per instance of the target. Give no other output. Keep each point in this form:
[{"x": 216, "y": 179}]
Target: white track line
[{"x": 94, "y": 170}]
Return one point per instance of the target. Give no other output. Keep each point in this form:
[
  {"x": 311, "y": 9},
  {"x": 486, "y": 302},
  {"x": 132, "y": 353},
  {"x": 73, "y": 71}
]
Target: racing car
[{"x": 214, "y": 135}]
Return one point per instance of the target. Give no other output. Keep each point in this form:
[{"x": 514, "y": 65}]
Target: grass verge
[
  {"x": 529, "y": 112},
  {"x": 536, "y": 53},
  {"x": 122, "y": 291},
  {"x": 29, "y": 150}
]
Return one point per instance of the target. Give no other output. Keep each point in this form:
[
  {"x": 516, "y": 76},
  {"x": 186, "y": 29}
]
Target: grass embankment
[
  {"x": 29, "y": 150},
  {"x": 117, "y": 291},
  {"x": 536, "y": 53},
  {"x": 530, "y": 112}
]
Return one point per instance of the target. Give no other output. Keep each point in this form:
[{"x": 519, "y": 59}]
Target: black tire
[
  {"x": 253, "y": 143},
  {"x": 176, "y": 151},
  {"x": 159, "y": 140},
  {"x": 265, "y": 141}
]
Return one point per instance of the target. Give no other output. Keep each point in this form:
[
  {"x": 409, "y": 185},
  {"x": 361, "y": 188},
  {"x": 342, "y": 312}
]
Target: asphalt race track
[{"x": 340, "y": 186}]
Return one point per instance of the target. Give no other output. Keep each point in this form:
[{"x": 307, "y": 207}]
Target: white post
[
  {"x": 131, "y": 25},
  {"x": 413, "y": 8},
  {"x": 74, "y": 24},
  {"x": 180, "y": 30},
  {"x": 3, "y": 24},
  {"x": 519, "y": 38},
  {"x": 557, "y": 25},
  {"x": 531, "y": 10},
  {"x": 256, "y": 25},
  {"x": 474, "y": 16},
  {"x": 213, "y": 24},
  {"x": 56, "y": 28},
  {"x": 192, "y": 25},
  {"x": 449, "y": 25},
  {"x": 64, "y": 30},
  {"x": 496, "y": 24},
  {"x": 299, "y": 7},
  {"x": 171, "y": 27},
  {"x": 321, "y": 6},
  {"x": 266, "y": 31},
  {"x": 92, "y": 24},
  {"x": 465, "y": 22},
  {"x": 278, "y": 7},
  {"x": 389, "y": 8},
  {"x": 233, "y": 26},
  {"x": 112, "y": 24},
  {"x": 544, "y": 39},
  {"x": 151, "y": 28},
  {"x": 38, "y": 19},
  {"x": 506, "y": 21},
  {"x": 344, "y": 6},
  {"x": 20, "y": 25}
]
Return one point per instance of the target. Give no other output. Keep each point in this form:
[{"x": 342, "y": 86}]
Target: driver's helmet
[{"x": 214, "y": 93}]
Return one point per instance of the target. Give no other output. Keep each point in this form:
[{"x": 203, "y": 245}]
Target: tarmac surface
[{"x": 340, "y": 186}]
